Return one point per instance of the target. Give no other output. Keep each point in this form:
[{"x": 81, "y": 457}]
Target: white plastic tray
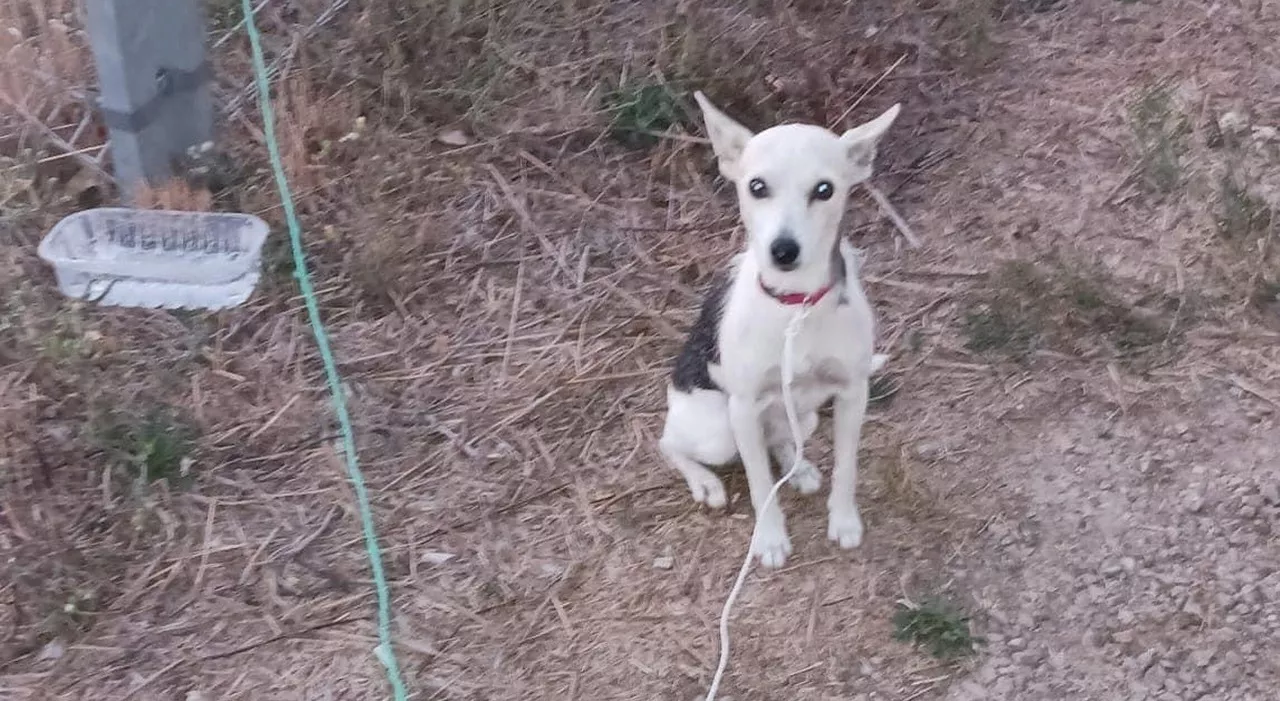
[{"x": 150, "y": 258}]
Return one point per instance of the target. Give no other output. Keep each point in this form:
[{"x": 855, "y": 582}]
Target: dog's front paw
[
  {"x": 845, "y": 527},
  {"x": 771, "y": 545},
  {"x": 707, "y": 489},
  {"x": 807, "y": 478}
]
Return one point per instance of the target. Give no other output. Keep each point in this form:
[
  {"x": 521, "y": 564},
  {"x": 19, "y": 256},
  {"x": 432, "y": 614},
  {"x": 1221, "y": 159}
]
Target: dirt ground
[{"x": 1078, "y": 443}]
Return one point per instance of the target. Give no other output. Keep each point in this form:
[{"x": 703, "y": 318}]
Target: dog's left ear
[{"x": 860, "y": 143}]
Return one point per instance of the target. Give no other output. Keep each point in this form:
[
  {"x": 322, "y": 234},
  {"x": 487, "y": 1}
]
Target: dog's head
[{"x": 792, "y": 183}]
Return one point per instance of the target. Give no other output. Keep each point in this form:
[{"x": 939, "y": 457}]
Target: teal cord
[{"x": 384, "y": 652}]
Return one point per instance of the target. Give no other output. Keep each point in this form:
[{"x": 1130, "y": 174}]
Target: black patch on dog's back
[{"x": 702, "y": 347}]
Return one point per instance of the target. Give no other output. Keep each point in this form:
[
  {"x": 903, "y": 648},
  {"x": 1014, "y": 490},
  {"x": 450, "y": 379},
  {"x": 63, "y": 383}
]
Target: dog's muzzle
[{"x": 785, "y": 252}]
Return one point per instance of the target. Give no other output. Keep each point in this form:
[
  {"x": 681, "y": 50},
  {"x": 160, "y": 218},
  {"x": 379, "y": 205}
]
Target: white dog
[{"x": 725, "y": 394}]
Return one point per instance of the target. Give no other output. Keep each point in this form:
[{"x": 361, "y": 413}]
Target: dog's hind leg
[
  {"x": 704, "y": 485},
  {"x": 697, "y": 434},
  {"x": 807, "y": 478}
]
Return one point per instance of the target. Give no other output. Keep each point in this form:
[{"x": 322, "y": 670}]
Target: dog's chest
[{"x": 814, "y": 381}]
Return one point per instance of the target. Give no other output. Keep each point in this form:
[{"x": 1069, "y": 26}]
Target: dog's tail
[{"x": 877, "y": 362}]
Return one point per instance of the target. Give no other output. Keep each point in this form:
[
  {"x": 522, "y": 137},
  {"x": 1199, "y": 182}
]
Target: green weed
[
  {"x": 222, "y": 15},
  {"x": 1061, "y": 303},
  {"x": 992, "y": 328},
  {"x": 149, "y": 448},
  {"x": 1266, "y": 295},
  {"x": 1160, "y": 132},
  {"x": 969, "y": 29},
  {"x": 640, "y": 112},
  {"x": 1007, "y": 318},
  {"x": 66, "y": 341},
  {"x": 277, "y": 259},
  {"x": 1241, "y": 215},
  {"x": 937, "y": 626}
]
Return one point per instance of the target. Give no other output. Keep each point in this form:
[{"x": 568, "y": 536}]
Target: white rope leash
[{"x": 788, "y": 374}]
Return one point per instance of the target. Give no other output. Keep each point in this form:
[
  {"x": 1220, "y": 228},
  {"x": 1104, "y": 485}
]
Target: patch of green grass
[
  {"x": 642, "y": 110},
  {"x": 18, "y": 186},
  {"x": 69, "y": 614},
  {"x": 1007, "y": 317},
  {"x": 60, "y": 349},
  {"x": 1265, "y": 294},
  {"x": 222, "y": 15},
  {"x": 1242, "y": 216},
  {"x": 152, "y": 447},
  {"x": 1091, "y": 304},
  {"x": 66, "y": 341},
  {"x": 989, "y": 328},
  {"x": 1044, "y": 5},
  {"x": 277, "y": 259},
  {"x": 937, "y": 626},
  {"x": 11, "y": 319},
  {"x": 1160, "y": 132},
  {"x": 969, "y": 28},
  {"x": 1061, "y": 303}
]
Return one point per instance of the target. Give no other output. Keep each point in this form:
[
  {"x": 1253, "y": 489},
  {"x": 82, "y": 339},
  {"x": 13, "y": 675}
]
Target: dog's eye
[
  {"x": 758, "y": 189},
  {"x": 823, "y": 191}
]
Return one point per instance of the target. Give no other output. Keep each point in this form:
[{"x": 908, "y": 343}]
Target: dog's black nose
[{"x": 784, "y": 251}]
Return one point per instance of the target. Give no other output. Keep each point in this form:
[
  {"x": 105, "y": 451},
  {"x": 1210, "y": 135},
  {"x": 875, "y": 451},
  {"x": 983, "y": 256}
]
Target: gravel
[{"x": 1165, "y": 583}]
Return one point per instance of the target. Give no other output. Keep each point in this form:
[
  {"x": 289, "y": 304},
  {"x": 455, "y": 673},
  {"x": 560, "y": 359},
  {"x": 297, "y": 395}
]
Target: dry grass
[
  {"x": 45, "y": 78},
  {"x": 505, "y": 280},
  {"x": 174, "y": 195},
  {"x": 45, "y": 56}
]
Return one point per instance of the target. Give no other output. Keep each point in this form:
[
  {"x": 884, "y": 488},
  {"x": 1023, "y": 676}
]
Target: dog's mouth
[{"x": 786, "y": 267}]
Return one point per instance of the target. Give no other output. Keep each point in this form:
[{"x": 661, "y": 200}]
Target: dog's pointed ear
[
  {"x": 861, "y": 142},
  {"x": 728, "y": 138}
]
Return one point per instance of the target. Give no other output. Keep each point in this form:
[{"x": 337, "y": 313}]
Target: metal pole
[{"x": 154, "y": 83}]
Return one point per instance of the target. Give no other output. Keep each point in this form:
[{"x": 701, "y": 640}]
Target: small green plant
[
  {"x": 65, "y": 342},
  {"x": 1241, "y": 215},
  {"x": 1266, "y": 295},
  {"x": 277, "y": 259},
  {"x": 1089, "y": 304},
  {"x": 641, "y": 111},
  {"x": 1160, "y": 133},
  {"x": 970, "y": 25},
  {"x": 1083, "y": 291},
  {"x": 60, "y": 348},
  {"x": 1007, "y": 317},
  {"x": 149, "y": 448},
  {"x": 1060, "y": 303},
  {"x": 989, "y": 327},
  {"x": 68, "y": 613},
  {"x": 936, "y": 625},
  {"x": 223, "y": 14},
  {"x": 18, "y": 187}
]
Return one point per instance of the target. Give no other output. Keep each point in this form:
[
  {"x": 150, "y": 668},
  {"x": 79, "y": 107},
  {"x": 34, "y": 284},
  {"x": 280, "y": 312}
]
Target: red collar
[{"x": 796, "y": 298}]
